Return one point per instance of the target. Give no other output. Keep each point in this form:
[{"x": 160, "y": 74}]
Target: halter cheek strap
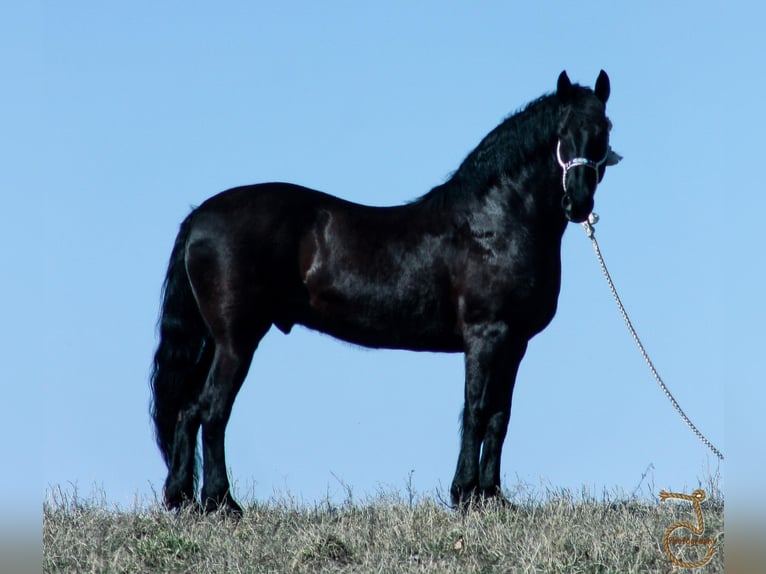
[{"x": 577, "y": 161}]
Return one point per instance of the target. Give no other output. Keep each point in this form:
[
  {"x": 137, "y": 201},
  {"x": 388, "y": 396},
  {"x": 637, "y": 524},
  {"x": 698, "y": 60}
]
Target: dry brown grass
[{"x": 559, "y": 532}]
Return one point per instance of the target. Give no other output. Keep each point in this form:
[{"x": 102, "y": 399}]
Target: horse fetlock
[
  {"x": 222, "y": 503},
  {"x": 177, "y": 495}
]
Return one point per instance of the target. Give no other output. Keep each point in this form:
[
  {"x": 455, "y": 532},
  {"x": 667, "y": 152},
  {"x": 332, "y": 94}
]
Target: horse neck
[
  {"x": 519, "y": 155},
  {"x": 515, "y": 164},
  {"x": 535, "y": 192},
  {"x": 527, "y": 192}
]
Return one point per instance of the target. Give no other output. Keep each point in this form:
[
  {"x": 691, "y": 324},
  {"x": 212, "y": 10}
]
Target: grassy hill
[{"x": 558, "y": 532}]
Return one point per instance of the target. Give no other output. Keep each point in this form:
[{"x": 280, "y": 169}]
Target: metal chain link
[{"x": 591, "y": 232}]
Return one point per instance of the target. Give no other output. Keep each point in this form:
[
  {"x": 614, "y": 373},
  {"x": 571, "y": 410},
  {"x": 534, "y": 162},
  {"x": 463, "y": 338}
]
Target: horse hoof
[
  {"x": 464, "y": 499},
  {"x": 180, "y": 502},
  {"x": 495, "y": 498},
  {"x": 226, "y": 506}
]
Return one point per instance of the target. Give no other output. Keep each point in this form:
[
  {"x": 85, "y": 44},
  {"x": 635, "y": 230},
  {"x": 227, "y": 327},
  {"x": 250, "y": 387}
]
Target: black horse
[{"x": 473, "y": 266}]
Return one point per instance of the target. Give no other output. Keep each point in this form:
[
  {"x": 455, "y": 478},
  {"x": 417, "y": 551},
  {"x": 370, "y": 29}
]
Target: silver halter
[{"x": 574, "y": 162}]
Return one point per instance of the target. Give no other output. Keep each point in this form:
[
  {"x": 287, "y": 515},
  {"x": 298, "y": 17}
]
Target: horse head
[{"x": 583, "y": 141}]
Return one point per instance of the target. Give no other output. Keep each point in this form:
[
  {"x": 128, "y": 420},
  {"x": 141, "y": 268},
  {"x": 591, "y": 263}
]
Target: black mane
[
  {"x": 511, "y": 144},
  {"x": 510, "y": 148}
]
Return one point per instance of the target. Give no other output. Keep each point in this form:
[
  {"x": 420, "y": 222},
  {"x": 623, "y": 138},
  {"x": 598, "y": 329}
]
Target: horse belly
[
  {"x": 387, "y": 294},
  {"x": 383, "y": 316}
]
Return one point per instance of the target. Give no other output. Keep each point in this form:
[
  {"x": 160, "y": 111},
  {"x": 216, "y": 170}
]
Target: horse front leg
[
  {"x": 492, "y": 358},
  {"x": 498, "y": 408}
]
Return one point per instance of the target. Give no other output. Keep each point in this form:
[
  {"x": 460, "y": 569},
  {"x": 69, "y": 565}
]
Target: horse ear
[
  {"x": 563, "y": 87},
  {"x": 602, "y": 87}
]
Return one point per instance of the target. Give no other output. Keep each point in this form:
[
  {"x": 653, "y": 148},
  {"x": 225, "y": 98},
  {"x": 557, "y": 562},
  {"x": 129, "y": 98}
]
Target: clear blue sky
[{"x": 117, "y": 118}]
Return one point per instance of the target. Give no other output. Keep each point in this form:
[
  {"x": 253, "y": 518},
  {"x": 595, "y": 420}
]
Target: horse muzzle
[{"x": 576, "y": 212}]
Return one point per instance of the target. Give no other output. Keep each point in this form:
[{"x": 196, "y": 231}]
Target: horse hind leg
[
  {"x": 222, "y": 272},
  {"x": 181, "y": 483},
  {"x": 228, "y": 371}
]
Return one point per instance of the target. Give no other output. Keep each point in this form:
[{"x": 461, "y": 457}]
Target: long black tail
[{"x": 185, "y": 350}]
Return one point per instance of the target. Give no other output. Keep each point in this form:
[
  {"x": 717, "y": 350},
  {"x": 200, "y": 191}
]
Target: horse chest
[{"x": 514, "y": 281}]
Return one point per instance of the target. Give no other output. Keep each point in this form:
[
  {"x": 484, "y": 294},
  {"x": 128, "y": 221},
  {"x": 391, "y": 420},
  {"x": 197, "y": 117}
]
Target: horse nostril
[{"x": 566, "y": 202}]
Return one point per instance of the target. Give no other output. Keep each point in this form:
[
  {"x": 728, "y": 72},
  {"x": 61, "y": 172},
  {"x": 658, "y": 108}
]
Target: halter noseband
[{"x": 574, "y": 162}]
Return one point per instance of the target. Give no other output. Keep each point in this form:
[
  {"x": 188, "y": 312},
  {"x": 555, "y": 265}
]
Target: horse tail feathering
[{"x": 184, "y": 353}]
